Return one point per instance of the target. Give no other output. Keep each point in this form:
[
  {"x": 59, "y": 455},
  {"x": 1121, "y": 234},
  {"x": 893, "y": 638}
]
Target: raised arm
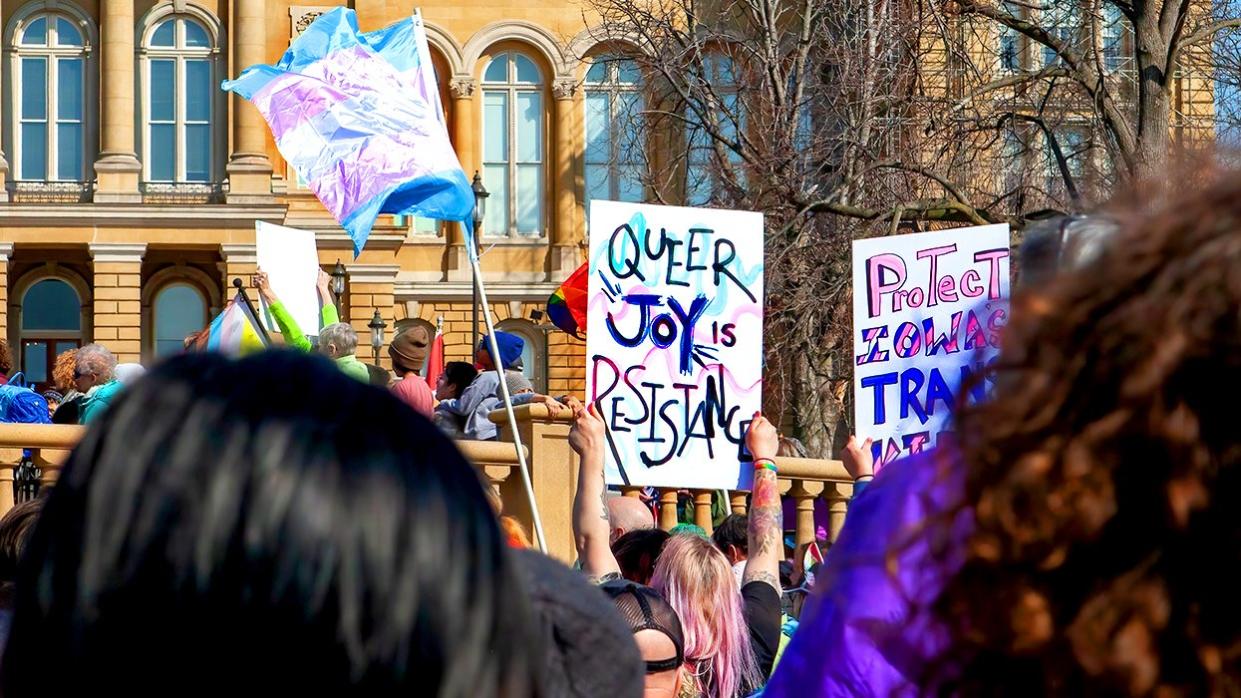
[
  {"x": 327, "y": 304},
  {"x": 289, "y": 329},
  {"x": 766, "y": 519},
  {"x": 590, "y": 507}
]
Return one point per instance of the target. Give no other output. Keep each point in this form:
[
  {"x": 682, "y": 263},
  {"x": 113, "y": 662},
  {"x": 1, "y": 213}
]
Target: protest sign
[
  {"x": 927, "y": 312},
  {"x": 674, "y": 341},
  {"x": 289, "y": 258}
]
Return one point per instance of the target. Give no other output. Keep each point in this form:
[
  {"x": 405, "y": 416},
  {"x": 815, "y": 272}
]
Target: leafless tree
[{"x": 841, "y": 119}]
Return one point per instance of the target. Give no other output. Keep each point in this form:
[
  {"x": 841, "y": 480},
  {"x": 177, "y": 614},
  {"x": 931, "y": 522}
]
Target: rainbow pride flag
[
  {"x": 567, "y": 306},
  {"x": 234, "y": 332}
]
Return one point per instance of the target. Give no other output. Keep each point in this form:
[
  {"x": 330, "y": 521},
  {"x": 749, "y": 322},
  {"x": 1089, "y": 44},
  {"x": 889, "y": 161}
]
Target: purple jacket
[{"x": 864, "y": 633}]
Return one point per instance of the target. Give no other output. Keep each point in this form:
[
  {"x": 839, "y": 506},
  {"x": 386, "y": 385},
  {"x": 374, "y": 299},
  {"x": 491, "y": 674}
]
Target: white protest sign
[
  {"x": 927, "y": 312},
  {"x": 289, "y": 258},
  {"x": 674, "y": 341}
]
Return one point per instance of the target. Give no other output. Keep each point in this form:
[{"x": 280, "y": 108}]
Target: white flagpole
[{"x": 494, "y": 348}]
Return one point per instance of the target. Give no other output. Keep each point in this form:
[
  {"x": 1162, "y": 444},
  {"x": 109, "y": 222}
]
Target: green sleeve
[
  {"x": 328, "y": 315},
  {"x": 288, "y": 327}
]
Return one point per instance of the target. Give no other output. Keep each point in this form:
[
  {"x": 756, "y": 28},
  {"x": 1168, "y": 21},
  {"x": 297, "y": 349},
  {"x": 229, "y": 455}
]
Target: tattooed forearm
[{"x": 765, "y": 527}]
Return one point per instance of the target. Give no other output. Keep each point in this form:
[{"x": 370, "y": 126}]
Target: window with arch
[
  {"x": 615, "y": 160},
  {"x": 533, "y": 352},
  {"x": 513, "y": 146},
  {"x": 178, "y": 69},
  {"x": 703, "y": 182},
  {"x": 51, "y": 323},
  {"x": 49, "y": 67},
  {"x": 180, "y": 309}
]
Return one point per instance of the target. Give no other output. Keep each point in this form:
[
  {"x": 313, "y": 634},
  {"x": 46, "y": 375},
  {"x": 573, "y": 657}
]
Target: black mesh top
[{"x": 644, "y": 609}]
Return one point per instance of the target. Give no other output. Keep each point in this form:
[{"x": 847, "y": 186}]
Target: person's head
[
  {"x": 1104, "y": 473},
  {"x": 732, "y": 538},
  {"x": 62, "y": 370},
  {"x": 408, "y": 350},
  {"x": 510, "y": 346},
  {"x": 456, "y": 377},
  {"x": 696, "y": 579},
  {"x": 94, "y": 365},
  {"x": 337, "y": 340},
  {"x": 590, "y": 650},
  {"x": 657, "y": 632},
  {"x": 15, "y": 530},
  {"x": 6, "y": 358},
  {"x": 627, "y": 514},
  {"x": 637, "y": 551},
  {"x": 54, "y": 399},
  {"x": 516, "y": 383},
  {"x": 223, "y": 514},
  {"x": 129, "y": 373}
]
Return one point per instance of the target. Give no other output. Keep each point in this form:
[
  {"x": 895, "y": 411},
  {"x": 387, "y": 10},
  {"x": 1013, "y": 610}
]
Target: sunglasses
[{"x": 79, "y": 374}]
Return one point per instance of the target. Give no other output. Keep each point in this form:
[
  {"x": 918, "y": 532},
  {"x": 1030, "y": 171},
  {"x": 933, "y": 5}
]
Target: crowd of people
[{"x": 222, "y": 523}]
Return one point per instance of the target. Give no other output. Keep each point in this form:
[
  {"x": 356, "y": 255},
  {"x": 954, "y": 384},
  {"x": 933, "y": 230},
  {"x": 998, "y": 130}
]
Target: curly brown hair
[
  {"x": 1104, "y": 476},
  {"x": 63, "y": 369},
  {"x": 6, "y": 358}
]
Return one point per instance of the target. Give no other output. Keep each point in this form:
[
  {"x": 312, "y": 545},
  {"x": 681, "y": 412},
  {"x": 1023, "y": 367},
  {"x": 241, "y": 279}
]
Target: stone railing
[{"x": 553, "y": 473}]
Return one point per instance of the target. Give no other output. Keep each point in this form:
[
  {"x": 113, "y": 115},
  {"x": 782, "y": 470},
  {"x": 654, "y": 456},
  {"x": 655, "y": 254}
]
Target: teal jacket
[
  {"x": 293, "y": 335},
  {"x": 97, "y": 400}
]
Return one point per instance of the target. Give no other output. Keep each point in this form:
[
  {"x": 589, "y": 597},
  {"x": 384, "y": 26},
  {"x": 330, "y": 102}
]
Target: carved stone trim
[
  {"x": 564, "y": 89},
  {"x": 462, "y": 88},
  {"x": 301, "y": 17}
]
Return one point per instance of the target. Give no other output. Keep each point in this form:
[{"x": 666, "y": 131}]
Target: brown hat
[{"x": 409, "y": 349}]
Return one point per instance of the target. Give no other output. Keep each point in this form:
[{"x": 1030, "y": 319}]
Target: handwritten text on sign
[
  {"x": 674, "y": 340},
  {"x": 927, "y": 311}
]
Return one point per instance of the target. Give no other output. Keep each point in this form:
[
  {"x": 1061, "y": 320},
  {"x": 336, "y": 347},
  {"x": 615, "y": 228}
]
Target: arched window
[
  {"x": 703, "y": 183},
  {"x": 180, "y": 310},
  {"x": 49, "y": 90},
  {"x": 178, "y": 101},
  {"x": 513, "y": 146},
  {"x": 51, "y": 323},
  {"x": 533, "y": 354},
  {"x": 615, "y": 160}
]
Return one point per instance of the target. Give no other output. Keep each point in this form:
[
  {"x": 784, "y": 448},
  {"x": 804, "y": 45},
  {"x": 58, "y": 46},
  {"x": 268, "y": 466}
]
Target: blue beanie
[{"x": 510, "y": 348}]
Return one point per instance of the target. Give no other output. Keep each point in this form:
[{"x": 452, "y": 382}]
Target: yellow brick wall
[{"x": 118, "y": 309}]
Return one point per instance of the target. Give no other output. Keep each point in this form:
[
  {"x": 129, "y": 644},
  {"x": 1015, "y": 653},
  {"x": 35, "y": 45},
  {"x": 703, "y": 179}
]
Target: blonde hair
[{"x": 696, "y": 579}]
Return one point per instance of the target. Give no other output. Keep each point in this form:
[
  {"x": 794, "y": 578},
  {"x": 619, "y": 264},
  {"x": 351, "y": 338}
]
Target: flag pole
[
  {"x": 494, "y": 349},
  {"x": 241, "y": 290}
]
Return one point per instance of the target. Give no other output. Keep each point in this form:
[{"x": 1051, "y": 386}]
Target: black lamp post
[
  {"x": 338, "y": 283},
  {"x": 480, "y": 211},
  {"x": 377, "y": 326}
]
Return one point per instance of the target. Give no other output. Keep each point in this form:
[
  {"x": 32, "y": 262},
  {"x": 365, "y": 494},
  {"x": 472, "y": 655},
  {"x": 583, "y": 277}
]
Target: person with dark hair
[
  {"x": 457, "y": 376},
  {"x": 731, "y": 538},
  {"x": 591, "y": 650},
  {"x": 637, "y": 551},
  {"x": 477, "y": 401},
  {"x": 15, "y": 530},
  {"x": 408, "y": 352},
  {"x": 1079, "y": 535},
  {"x": 656, "y": 631},
  {"x": 223, "y": 525}
]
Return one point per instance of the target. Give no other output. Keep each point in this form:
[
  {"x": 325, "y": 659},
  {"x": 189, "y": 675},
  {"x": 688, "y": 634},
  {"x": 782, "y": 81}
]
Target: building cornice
[
  {"x": 138, "y": 215},
  {"x": 423, "y": 291},
  {"x": 125, "y": 252}
]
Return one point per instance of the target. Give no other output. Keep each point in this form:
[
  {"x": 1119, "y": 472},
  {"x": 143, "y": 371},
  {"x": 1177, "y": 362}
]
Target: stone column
[
  {"x": 249, "y": 169},
  {"x": 118, "y": 298},
  {"x": 241, "y": 260},
  {"x": 565, "y": 234},
  {"x": 117, "y": 170},
  {"x": 371, "y": 288},
  {"x": 462, "y": 88},
  {"x": 6, "y": 251}
]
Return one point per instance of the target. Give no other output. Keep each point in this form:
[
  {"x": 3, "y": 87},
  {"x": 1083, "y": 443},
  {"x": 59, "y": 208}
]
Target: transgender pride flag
[{"x": 359, "y": 117}]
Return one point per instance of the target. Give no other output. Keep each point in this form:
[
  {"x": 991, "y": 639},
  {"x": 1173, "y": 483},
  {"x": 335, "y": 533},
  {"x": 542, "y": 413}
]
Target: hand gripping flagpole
[{"x": 494, "y": 348}]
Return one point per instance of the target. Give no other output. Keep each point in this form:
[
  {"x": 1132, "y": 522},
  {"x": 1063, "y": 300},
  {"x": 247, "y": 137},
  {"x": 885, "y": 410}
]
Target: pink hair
[{"x": 695, "y": 578}]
